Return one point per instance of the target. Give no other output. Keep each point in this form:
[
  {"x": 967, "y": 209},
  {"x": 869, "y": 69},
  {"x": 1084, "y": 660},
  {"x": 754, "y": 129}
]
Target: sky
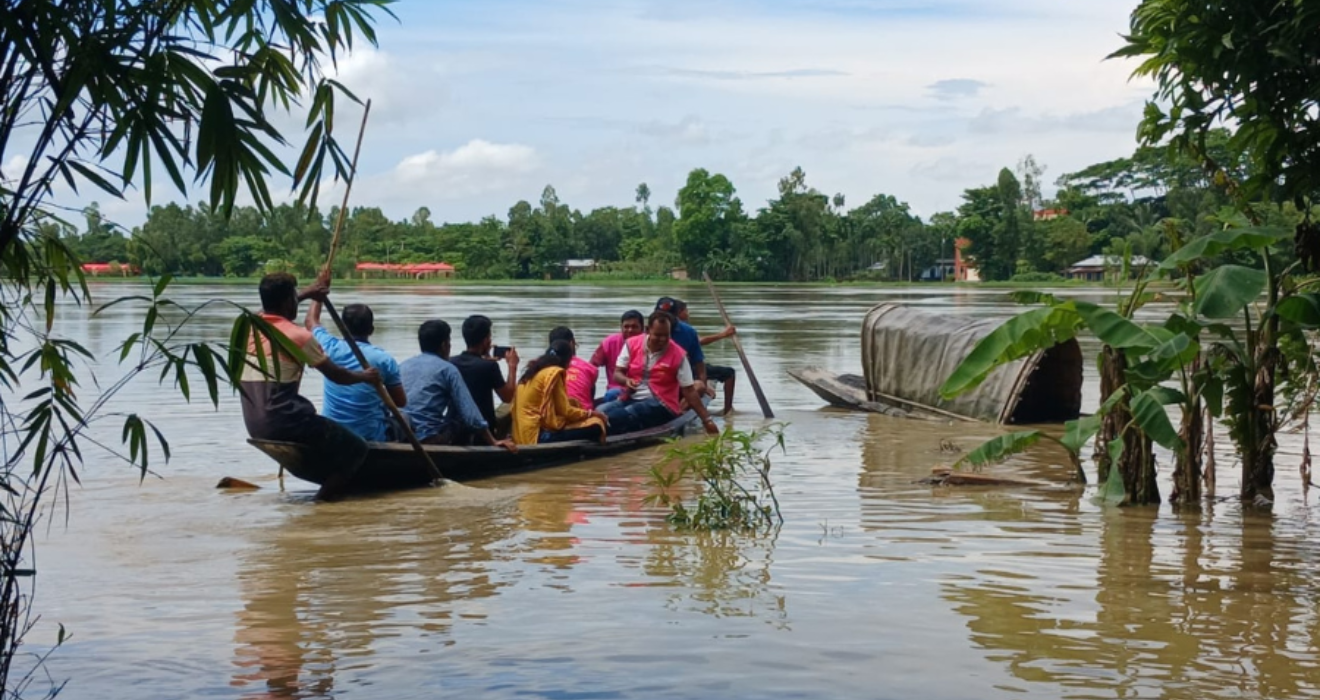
[{"x": 477, "y": 105}]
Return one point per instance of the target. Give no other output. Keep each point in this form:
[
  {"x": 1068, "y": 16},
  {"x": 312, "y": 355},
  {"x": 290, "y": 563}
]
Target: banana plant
[{"x": 1215, "y": 356}]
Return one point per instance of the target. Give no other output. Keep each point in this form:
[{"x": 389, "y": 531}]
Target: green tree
[
  {"x": 99, "y": 94},
  {"x": 1250, "y": 65},
  {"x": 707, "y": 211}
]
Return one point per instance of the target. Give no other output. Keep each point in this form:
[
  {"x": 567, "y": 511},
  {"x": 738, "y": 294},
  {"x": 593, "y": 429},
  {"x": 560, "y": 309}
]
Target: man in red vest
[{"x": 655, "y": 372}]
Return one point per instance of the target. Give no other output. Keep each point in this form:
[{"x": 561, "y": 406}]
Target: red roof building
[
  {"x": 417, "y": 270},
  {"x": 110, "y": 268}
]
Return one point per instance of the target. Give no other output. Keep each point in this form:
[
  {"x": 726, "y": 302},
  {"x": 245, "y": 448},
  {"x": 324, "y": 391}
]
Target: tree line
[{"x": 1011, "y": 231}]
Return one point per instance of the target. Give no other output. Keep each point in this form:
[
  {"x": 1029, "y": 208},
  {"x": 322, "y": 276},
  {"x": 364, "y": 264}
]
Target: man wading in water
[{"x": 272, "y": 407}]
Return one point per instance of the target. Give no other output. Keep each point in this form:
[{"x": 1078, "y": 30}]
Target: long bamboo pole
[
  {"x": 747, "y": 365},
  {"x": 381, "y": 391}
]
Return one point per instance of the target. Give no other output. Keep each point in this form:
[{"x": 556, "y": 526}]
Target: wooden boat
[
  {"x": 394, "y": 466},
  {"x": 907, "y": 354}
]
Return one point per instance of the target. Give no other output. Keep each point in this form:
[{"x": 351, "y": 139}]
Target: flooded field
[{"x": 562, "y": 584}]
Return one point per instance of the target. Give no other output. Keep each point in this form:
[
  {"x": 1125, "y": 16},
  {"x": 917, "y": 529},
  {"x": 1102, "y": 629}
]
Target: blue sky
[{"x": 480, "y": 104}]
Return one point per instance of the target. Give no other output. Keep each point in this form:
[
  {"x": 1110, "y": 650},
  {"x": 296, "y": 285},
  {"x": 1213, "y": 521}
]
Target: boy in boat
[
  {"x": 580, "y": 376},
  {"x": 656, "y": 373},
  {"x": 481, "y": 372},
  {"x": 608, "y": 351},
  {"x": 440, "y": 409},
  {"x": 272, "y": 407},
  {"x": 357, "y": 407}
]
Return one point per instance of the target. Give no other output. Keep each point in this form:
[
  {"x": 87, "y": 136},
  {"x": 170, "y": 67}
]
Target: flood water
[{"x": 563, "y": 584}]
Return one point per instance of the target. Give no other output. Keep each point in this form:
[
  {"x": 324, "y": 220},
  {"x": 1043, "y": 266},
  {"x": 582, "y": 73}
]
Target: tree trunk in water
[
  {"x": 1187, "y": 464},
  {"x": 1137, "y": 463},
  {"x": 1258, "y": 452},
  {"x": 1187, "y": 467}
]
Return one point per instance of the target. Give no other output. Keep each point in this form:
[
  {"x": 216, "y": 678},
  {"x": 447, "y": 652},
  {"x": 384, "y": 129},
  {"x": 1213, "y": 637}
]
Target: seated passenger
[
  {"x": 541, "y": 409},
  {"x": 272, "y": 407},
  {"x": 357, "y": 407},
  {"x": 656, "y": 373},
  {"x": 580, "y": 377},
  {"x": 481, "y": 372},
  {"x": 608, "y": 351},
  {"x": 440, "y": 409},
  {"x": 720, "y": 374}
]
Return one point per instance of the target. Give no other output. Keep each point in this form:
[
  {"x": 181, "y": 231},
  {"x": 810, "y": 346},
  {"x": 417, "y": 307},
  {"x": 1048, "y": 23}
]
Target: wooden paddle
[
  {"x": 747, "y": 366},
  {"x": 381, "y": 391}
]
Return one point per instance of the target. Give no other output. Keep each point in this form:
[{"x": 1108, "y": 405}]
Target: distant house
[
  {"x": 574, "y": 266},
  {"x": 415, "y": 270},
  {"x": 678, "y": 273},
  {"x": 110, "y": 268},
  {"x": 1048, "y": 214},
  {"x": 964, "y": 268},
  {"x": 1099, "y": 268}
]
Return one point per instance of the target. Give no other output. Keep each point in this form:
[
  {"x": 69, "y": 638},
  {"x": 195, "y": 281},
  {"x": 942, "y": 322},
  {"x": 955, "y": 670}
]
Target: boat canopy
[{"x": 907, "y": 354}]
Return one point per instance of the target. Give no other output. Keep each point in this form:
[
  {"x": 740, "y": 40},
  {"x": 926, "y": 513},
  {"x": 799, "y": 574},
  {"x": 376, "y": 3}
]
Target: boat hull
[{"x": 397, "y": 466}]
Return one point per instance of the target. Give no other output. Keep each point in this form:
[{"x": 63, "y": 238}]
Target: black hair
[
  {"x": 562, "y": 333},
  {"x": 277, "y": 288},
  {"x": 432, "y": 335},
  {"x": 660, "y": 316},
  {"x": 559, "y": 354},
  {"x": 632, "y": 315},
  {"x": 359, "y": 320},
  {"x": 476, "y": 329}
]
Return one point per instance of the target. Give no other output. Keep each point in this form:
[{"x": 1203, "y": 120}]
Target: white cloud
[
  {"x": 688, "y": 131},
  {"x": 12, "y": 169},
  {"x": 476, "y": 168}
]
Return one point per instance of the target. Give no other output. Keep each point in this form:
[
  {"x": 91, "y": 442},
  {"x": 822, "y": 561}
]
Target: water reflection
[
  {"x": 1172, "y": 614},
  {"x": 323, "y": 589}
]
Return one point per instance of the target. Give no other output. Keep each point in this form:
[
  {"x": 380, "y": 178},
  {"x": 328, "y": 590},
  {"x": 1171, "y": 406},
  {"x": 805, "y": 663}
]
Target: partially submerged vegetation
[
  {"x": 1238, "y": 347},
  {"x": 732, "y": 475}
]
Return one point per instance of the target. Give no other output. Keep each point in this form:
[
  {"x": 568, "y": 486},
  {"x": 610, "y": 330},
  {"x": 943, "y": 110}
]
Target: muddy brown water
[{"x": 563, "y": 584}]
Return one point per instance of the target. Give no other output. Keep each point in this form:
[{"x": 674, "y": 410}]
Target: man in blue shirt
[
  {"x": 440, "y": 408},
  {"x": 357, "y": 406},
  {"x": 686, "y": 337}
]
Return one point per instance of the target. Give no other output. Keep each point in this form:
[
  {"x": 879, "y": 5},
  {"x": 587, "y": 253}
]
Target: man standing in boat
[
  {"x": 272, "y": 407},
  {"x": 440, "y": 408},
  {"x": 656, "y": 373},
  {"x": 357, "y": 407}
]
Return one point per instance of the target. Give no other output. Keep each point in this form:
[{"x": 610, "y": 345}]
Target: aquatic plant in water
[{"x": 734, "y": 473}]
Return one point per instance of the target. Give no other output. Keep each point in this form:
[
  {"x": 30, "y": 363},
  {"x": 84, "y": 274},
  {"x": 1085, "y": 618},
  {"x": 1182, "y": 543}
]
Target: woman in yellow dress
[{"x": 542, "y": 411}]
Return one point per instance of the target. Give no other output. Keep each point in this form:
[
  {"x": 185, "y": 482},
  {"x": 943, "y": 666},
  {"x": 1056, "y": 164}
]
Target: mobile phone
[{"x": 499, "y": 351}]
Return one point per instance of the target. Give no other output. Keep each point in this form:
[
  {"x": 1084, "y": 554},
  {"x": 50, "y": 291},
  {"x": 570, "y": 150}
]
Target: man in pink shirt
[
  {"x": 580, "y": 375},
  {"x": 608, "y": 352}
]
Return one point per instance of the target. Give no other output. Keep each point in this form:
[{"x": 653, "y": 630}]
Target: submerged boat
[
  {"x": 907, "y": 354},
  {"x": 392, "y": 466}
]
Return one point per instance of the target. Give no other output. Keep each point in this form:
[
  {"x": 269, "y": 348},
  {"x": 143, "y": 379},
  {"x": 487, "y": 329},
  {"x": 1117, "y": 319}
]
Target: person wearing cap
[
  {"x": 608, "y": 351},
  {"x": 658, "y": 378}
]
